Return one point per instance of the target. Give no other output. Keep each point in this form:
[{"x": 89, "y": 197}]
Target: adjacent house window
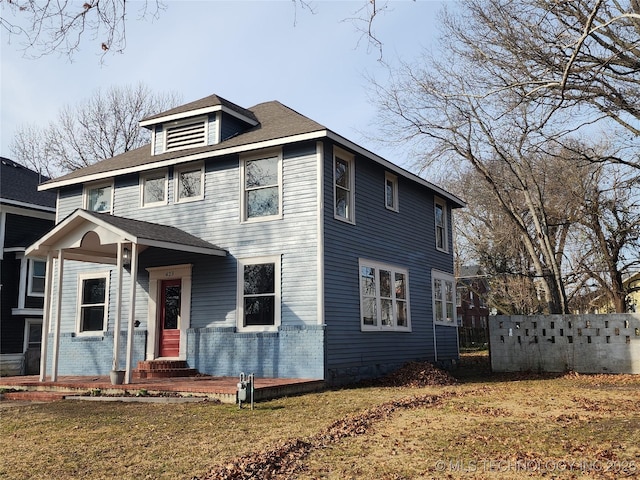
[
  {"x": 37, "y": 272},
  {"x": 443, "y": 298},
  {"x": 153, "y": 187},
  {"x": 259, "y": 295},
  {"x": 442, "y": 242},
  {"x": 185, "y": 134},
  {"x": 92, "y": 302},
  {"x": 344, "y": 180},
  {"x": 189, "y": 183},
  {"x": 384, "y": 297},
  {"x": 262, "y": 187},
  {"x": 99, "y": 197},
  {"x": 391, "y": 191}
]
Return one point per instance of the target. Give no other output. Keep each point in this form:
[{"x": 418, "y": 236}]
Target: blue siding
[
  {"x": 231, "y": 126},
  {"x": 405, "y": 239}
]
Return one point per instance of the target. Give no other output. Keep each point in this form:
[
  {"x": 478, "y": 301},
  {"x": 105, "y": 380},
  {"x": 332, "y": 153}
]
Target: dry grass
[{"x": 488, "y": 426}]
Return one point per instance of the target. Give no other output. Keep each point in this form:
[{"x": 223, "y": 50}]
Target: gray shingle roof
[
  {"x": 210, "y": 101},
  {"x": 276, "y": 121},
  {"x": 153, "y": 231},
  {"x": 20, "y": 184}
]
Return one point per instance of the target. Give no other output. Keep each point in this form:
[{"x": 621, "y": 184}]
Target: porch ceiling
[{"x": 92, "y": 236}]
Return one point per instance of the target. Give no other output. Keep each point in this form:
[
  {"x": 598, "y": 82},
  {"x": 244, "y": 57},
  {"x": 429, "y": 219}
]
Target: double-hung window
[
  {"x": 344, "y": 182},
  {"x": 442, "y": 240},
  {"x": 391, "y": 191},
  {"x": 444, "y": 287},
  {"x": 37, "y": 271},
  {"x": 259, "y": 293},
  {"x": 93, "y": 300},
  {"x": 189, "y": 183},
  {"x": 262, "y": 187},
  {"x": 153, "y": 188},
  {"x": 384, "y": 297},
  {"x": 99, "y": 197}
]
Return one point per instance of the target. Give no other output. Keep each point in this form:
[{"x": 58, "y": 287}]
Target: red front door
[{"x": 170, "y": 319}]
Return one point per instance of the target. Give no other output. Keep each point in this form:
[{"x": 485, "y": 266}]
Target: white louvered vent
[{"x": 192, "y": 133}]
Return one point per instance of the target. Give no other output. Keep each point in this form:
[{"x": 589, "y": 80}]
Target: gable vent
[{"x": 186, "y": 134}]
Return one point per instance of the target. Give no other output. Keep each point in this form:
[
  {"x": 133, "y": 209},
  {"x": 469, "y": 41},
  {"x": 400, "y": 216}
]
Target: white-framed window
[
  {"x": 384, "y": 297},
  {"x": 153, "y": 188},
  {"x": 391, "y": 191},
  {"x": 98, "y": 197},
  {"x": 443, "y": 287},
  {"x": 189, "y": 183},
  {"x": 442, "y": 240},
  {"x": 35, "y": 281},
  {"x": 344, "y": 185},
  {"x": 261, "y": 186},
  {"x": 93, "y": 302},
  {"x": 259, "y": 293},
  {"x": 189, "y": 133}
]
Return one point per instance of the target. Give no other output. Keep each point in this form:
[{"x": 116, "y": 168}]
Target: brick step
[
  {"x": 165, "y": 373},
  {"x": 151, "y": 365},
  {"x": 34, "y": 396}
]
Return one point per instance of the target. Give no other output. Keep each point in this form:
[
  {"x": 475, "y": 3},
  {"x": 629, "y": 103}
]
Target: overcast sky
[{"x": 246, "y": 52}]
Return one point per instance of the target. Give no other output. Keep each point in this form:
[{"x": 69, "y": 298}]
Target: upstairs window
[
  {"x": 262, "y": 187},
  {"x": 391, "y": 191},
  {"x": 92, "y": 302},
  {"x": 99, "y": 197},
  {"x": 185, "y": 134},
  {"x": 384, "y": 297},
  {"x": 442, "y": 240},
  {"x": 443, "y": 285},
  {"x": 153, "y": 188},
  {"x": 343, "y": 179},
  {"x": 37, "y": 271},
  {"x": 189, "y": 183}
]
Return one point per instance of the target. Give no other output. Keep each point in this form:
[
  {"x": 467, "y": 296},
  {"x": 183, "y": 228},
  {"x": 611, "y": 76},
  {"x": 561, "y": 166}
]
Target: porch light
[{"x": 126, "y": 256}]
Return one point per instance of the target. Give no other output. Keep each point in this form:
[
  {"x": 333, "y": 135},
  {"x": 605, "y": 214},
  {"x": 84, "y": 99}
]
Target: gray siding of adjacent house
[
  {"x": 405, "y": 239},
  {"x": 217, "y": 219}
]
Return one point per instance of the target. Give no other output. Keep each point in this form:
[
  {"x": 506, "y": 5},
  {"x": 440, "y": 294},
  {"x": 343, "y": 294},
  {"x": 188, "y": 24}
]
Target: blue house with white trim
[{"x": 247, "y": 240}]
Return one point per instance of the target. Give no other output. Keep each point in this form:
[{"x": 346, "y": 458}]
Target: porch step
[
  {"x": 34, "y": 396},
  {"x": 163, "y": 369}
]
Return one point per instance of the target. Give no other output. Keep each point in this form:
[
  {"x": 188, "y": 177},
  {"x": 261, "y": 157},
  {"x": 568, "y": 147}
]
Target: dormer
[{"x": 207, "y": 121}]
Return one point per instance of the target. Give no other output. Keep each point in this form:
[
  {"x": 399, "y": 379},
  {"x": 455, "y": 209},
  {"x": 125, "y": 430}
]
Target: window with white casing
[
  {"x": 443, "y": 287},
  {"x": 344, "y": 183},
  {"x": 384, "y": 297},
  {"x": 262, "y": 186},
  {"x": 98, "y": 197},
  {"x": 259, "y": 293},
  {"x": 188, "y": 133},
  {"x": 391, "y": 191},
  {"x": 153, "y": 188},
  {"x": 442, "y": 240},
  {"x": 93, "y": 301},
  {"x": 37, "y": 273},
  {"x": 189, "y": 183}
]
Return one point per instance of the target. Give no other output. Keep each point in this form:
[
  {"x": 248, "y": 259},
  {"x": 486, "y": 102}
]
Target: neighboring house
[
  {"x": 472, "y": 308},
  {"x": 257, "y": 240},
  {"x": 602, "y": 303},
  {"x": 25, "y": 215}
]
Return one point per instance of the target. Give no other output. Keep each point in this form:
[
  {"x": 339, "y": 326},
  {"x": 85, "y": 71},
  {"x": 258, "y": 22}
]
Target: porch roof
[{"x": 71, "y": 234}]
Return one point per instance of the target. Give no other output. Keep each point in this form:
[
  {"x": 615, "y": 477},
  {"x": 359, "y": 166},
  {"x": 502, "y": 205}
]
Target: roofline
[
  {"x": 315, "y": 135},
  {"x": 200, "y": 111},
  {"x": 33, "y": 206},
  {"x": 394, "y": 168}
]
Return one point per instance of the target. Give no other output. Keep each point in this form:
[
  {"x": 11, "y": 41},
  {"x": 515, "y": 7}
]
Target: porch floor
[{"x": 218, "y": 388}]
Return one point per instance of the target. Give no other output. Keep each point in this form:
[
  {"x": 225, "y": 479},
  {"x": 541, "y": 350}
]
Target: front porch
[{"x": 202, "y": 387}]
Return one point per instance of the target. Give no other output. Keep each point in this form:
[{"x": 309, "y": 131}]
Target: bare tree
[
  {"x": 51, "y": 26},
  {"x": 100, "y": 127}
]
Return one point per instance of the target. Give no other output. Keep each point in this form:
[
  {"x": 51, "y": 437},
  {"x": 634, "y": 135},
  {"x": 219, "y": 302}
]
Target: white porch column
[
  {"x": 56, "y": 326},
  {"x": 118, "y": 321},
  {"x": 46, "y": 317},
  {"x": 132, "y": 310}
]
